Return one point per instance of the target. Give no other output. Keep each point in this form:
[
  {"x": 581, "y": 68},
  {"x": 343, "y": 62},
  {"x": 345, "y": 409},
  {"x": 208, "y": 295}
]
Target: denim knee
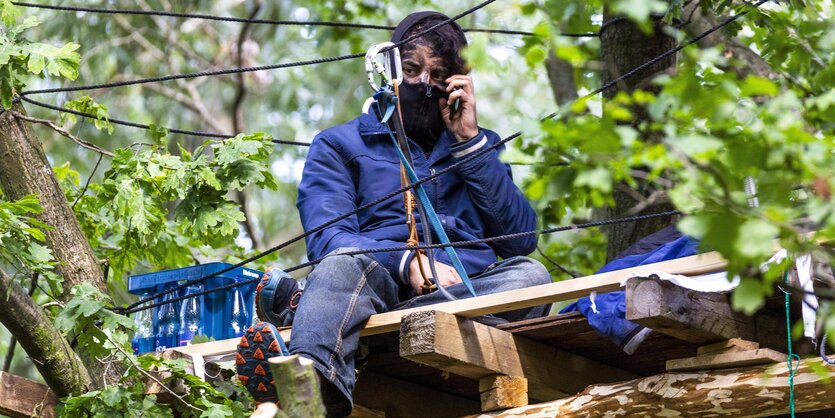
[{"x": 534, "y": 273}]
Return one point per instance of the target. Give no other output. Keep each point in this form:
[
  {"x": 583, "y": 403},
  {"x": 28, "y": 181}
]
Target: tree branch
[
  {"x": 133, "y": 363},
  {"x": 82, "y": 143},
  {"x": 699, "y": 21},
  {"x": 49, "y": 350},
  {"x": 239, "y": 124}
]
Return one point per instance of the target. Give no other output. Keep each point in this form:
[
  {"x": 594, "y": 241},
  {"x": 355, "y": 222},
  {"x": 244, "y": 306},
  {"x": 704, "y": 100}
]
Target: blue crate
[{"x": 216, "y": 307}]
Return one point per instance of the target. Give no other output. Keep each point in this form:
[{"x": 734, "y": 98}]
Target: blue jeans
[{"x": 344, "y": 290}]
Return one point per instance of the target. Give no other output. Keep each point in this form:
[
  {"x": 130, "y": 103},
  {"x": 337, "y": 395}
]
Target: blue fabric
[
  {"x": 354, "y": 163},
  {"x": 610, "y": 320}
]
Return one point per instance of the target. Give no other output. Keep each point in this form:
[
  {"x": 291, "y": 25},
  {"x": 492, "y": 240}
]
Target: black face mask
[{"x": 422, "y": 118}]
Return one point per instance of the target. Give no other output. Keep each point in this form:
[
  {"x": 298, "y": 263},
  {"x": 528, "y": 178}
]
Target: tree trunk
[
  {"x": 561, "y": 77},
  {"x": 49, "y": 350},
  {"x": 751, "y": 392},
  {"x": 623, "y": 47},
  {"x": 25, "y": 170}
]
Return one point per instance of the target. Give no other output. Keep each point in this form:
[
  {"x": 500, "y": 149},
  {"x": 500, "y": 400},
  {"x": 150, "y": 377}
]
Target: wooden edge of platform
[
  {"x": 24, "y": 398},
  {"x": 744, "y": 392}
]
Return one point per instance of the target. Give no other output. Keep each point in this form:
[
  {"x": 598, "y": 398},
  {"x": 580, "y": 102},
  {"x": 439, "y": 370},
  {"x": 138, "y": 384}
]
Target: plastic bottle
[
  {"x": 143, "y": 338},
  {"x": 190, "y": 324},
  {"x": 238, "y": 318},
  {"x": 168, "y": 324}
]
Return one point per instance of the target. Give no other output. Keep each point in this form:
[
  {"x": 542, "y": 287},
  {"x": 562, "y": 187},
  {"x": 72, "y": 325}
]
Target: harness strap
[{"x": 434, "y": 220}]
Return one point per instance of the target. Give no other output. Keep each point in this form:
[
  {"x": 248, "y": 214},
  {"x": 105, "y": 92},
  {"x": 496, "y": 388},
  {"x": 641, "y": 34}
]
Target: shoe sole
[{"x": 259, "y": 343}]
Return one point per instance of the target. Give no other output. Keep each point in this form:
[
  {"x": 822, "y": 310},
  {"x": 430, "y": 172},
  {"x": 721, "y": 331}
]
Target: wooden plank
[
  {"x": 752, "y": 392},
  {"x": 474, "y": 350},
  {"x": 360, "y": 411},
  {"x": 398, "y": 398},
  {"x": 24, "y": 398},
  {"x": 503, "y": 392},
  {"x": 733, "y": 344},
  {"x": 548, "y": 293},
  {"x": 698, "y": 317},
  {"x": 726, "y": 360}
]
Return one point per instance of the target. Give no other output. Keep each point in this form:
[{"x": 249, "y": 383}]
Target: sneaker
[
  {"x": 277, "y": 297},
  {"x": 259, "y": 343}
]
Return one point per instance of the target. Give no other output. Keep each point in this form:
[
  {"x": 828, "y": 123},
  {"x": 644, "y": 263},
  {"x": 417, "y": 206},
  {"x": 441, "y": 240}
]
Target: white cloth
[{"x": 714, "y": 282}]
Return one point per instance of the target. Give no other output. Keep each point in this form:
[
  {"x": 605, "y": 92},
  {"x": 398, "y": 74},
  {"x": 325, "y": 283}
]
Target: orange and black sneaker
[
  {"x": 259, "y": 343},
  {"x": 277, "y": 296}
]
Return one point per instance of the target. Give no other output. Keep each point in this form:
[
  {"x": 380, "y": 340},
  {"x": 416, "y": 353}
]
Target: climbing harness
[{"x": 386, "y": 98}]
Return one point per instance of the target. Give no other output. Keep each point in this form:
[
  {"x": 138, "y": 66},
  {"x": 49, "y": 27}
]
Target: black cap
[{"x": 415, "y": 18}]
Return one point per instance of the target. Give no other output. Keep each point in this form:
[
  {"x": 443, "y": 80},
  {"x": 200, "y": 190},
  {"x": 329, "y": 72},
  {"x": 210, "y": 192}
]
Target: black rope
[
  {"x": 469, "y": 158},
  {"x": 456, "y": 244},
  {"x": 472, "y": 242},
  {"x": 263, "y": 21},
  {"x": 331, "y": 221},
  {"x": 250, "y": 69},
  {"x": 204, "y": 134}
]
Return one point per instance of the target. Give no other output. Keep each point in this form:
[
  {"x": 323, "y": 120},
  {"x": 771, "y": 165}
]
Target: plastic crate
[{"x": 216, "y": 307}]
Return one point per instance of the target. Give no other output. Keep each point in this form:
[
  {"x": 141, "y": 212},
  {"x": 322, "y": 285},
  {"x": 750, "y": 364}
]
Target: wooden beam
[
  {"x": 731, "y": 345},
  {"x": 474, "y": 350},
  {"x": 548, "y": 293},
  {"x": 726, "y": 360},
  {"x": 24, "y": 398},
  {"x": 698, "y": 317},
  {"x": 399, "y": 398},
  {"x": 503, "y": 392},
  {"x": 751, "y": 392}
]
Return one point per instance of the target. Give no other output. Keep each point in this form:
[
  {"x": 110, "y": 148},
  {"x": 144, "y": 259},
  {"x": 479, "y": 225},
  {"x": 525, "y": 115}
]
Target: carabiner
[{"x": 372, "y": 65}]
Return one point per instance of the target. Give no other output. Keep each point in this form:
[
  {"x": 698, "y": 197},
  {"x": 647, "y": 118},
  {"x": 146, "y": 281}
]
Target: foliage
[
  {"x": 204, "y": 401},
  {"x": 19, "y": 57},
  {"x": 700, "y": 135},
  {"x": 105, "y": 334},
  {"x": 86, "y": 104},
  {"x": 21, "y": 234}
]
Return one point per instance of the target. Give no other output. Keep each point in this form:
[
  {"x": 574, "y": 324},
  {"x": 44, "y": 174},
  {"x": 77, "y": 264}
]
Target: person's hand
[
  {"x": 446, "y": 274},
  {"x": 462, "y": 123}
]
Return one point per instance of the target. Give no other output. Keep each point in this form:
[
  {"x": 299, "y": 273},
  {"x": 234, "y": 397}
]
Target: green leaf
[
  {"x": 87, "y": 105},
  {"x": 9, "y": 12},
  {"x": 40, "y": 253},
  {"x": 758, "y": 86},
  {"x": 62, "y": 61},
  {"x": 217, "y": 411},
  {"x": 749, "y": 296},
  {"x": 756, "y": 238},
  {"x": 7, "y": 77},
  {"x": 158, "y": 134},
  {"x": 597, "y": 178}
]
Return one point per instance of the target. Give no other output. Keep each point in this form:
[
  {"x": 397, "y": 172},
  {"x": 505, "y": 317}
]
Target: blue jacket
[{"x": 355, "y": 163}]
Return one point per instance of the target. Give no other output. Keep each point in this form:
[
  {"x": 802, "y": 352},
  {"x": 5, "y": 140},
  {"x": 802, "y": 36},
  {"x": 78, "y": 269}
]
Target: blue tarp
[{"x": 610, "y": 318}]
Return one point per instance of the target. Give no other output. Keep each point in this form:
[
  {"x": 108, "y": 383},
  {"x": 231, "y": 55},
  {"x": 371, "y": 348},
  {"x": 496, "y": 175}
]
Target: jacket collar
[{"x": 370, "y": 128}]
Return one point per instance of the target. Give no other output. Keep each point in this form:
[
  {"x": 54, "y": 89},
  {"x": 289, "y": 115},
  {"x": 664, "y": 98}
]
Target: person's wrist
[{"x": 466, "y": 135}]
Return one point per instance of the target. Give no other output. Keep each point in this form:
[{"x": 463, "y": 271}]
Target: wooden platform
[{"x": 440, "y": 361}]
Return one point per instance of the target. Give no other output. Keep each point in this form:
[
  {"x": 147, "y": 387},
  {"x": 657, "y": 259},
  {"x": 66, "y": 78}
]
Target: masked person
[{"x": 355, "y": 163}]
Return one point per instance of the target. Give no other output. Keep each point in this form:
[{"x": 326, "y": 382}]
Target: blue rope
[
  {"x": 387, "y": 96},
  {"x": 793, "y": 360}
]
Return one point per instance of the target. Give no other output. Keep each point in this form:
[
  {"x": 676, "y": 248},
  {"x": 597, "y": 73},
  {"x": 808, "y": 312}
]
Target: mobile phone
[{"x": 457, "y": 103}]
